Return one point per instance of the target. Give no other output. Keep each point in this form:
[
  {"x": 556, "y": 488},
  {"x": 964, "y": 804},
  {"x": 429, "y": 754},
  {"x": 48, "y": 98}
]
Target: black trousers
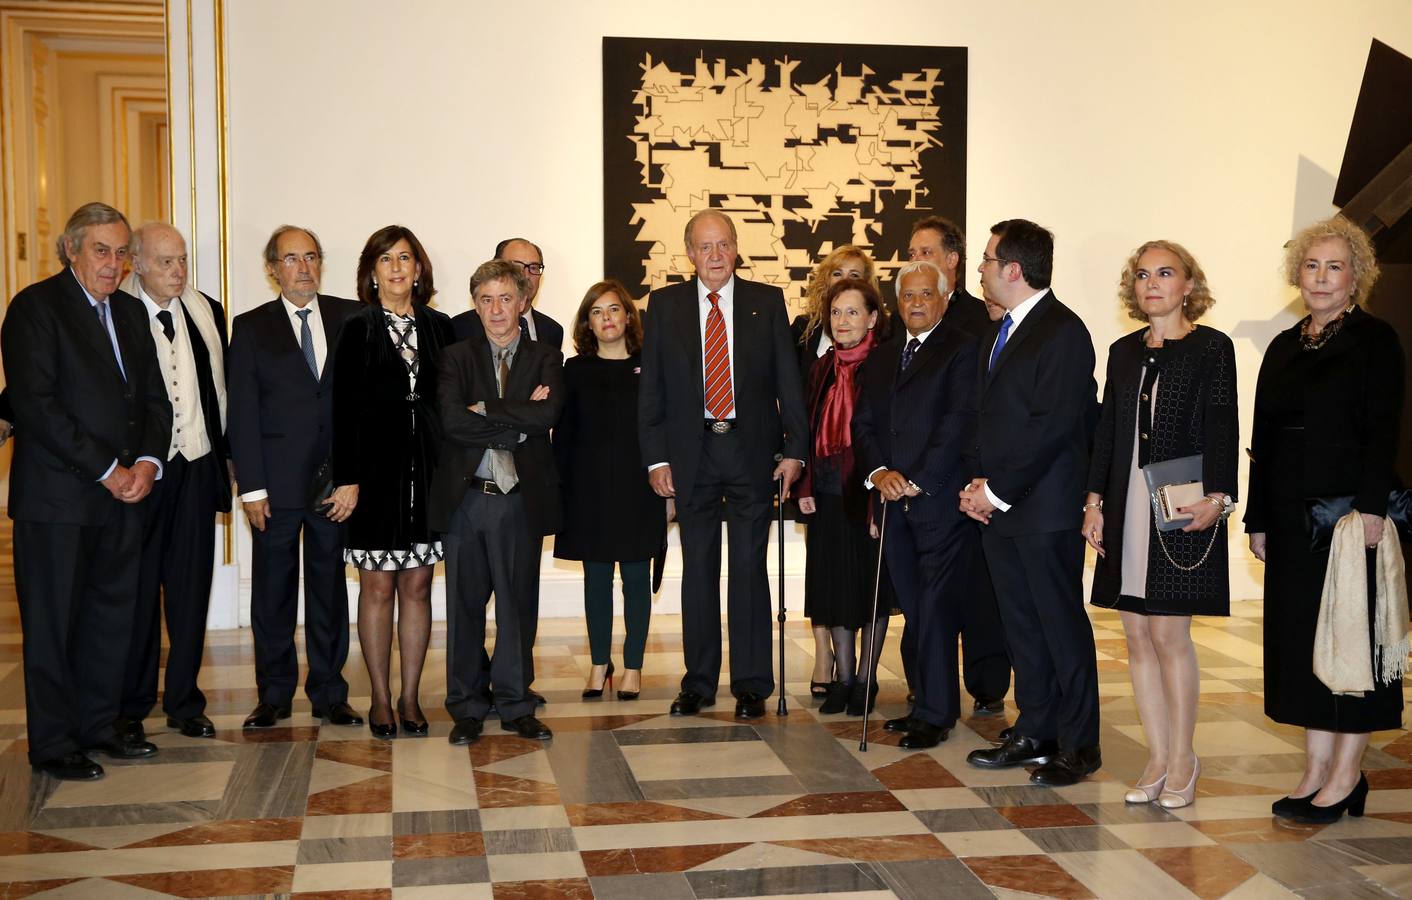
[
  {"x": 488, "y": 550},
  {"x": 985, "y": 660},
  {"x": 274, "y": 607},
  {"x": 77, "y": 585},
  {"x": 1039, "y": 586},
  {"x": 928, "y": 557},
  {"x": 534, "y": 546},
  {"x": 178, "y": 555},
  {"x": 728, "y": 486}
]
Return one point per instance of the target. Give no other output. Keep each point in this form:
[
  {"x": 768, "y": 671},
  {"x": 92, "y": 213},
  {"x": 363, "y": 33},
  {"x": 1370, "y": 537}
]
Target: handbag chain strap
[{"x": 1215, "y": 529}]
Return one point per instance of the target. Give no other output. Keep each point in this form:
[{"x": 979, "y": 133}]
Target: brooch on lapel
[{"x": 637, "y": 370}]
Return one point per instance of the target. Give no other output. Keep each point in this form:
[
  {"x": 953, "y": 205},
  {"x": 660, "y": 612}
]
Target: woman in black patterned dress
[
  {"x": 1170, "y": 393},
  {"x": 386, "y": 433}
]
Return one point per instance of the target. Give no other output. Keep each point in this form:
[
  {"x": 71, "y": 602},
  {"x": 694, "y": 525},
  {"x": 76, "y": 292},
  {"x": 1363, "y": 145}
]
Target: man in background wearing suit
[
  {"x": 1030, "y": 459},
  {"x": 720, "y": 397},
  {"x": 985, "y": 659},
  {"x": 495, "y": 496},
  {"x": 280, "y": 428},
  {"x": 93, "y": 425},
  {"x": 915, "y": 408},
  {"x": 179, "y": 537}
]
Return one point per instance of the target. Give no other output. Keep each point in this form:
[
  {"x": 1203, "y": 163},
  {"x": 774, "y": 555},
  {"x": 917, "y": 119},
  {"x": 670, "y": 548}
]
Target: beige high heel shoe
[
  {"x": 1184, "y": 797},
  {"x": 1145, "y": 793}
]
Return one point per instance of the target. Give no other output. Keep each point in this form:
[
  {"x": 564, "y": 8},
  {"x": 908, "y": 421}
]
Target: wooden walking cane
[{"x": 873, "y": 638}]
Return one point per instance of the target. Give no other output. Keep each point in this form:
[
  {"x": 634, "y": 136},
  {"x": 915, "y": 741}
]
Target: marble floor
[{"x": 628, "y": 802}]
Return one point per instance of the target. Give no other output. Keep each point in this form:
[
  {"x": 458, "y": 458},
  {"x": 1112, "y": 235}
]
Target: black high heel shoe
[
  {"x": 415, "y": 729},
  {"x": 858, "y": 693},
  {"x": 384, "y": 731},
  {"x": 1312, "y": 814},
  {"x": 819, "y": 688},
  {"x": 593, "y": 693},
  {"x": 631, "y": 695},
  {"x": 1286, "y": 807}
]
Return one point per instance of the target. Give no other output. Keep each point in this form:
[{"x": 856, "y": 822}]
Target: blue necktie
[
  {"x": 1005, "y": 324},
  {"x": 102, "y": 307},
  {"x": 908, "y": 352},
  {"x": 306, "y": 341}
]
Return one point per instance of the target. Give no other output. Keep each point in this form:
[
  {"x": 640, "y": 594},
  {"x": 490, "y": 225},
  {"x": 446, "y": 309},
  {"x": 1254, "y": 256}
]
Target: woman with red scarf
[{"x": 842, "y": 557}]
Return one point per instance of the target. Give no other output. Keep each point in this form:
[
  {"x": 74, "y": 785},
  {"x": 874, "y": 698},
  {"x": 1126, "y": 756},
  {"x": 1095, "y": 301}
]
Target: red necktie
[{"x": 720, "y": 401}]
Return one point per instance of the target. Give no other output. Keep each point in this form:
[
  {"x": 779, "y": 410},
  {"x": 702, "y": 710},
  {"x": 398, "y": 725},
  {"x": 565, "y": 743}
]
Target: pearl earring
[{"x": 375, "y": 284}]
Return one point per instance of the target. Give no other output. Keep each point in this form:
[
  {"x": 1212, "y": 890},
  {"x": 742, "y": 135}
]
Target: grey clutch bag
[{"x": 1171, "y": 484}]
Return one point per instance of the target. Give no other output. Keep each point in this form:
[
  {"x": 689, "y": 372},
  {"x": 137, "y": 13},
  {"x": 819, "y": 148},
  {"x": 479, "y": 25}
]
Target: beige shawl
[
  {"x": 195, "y": 303},
  {"x": 1343, "y": 661}
]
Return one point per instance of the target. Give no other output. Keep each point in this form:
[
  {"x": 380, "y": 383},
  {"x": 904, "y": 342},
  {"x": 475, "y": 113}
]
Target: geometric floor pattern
[{"x": 628, "y": 802}]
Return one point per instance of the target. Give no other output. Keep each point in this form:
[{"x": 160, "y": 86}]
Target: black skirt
[{"x": 840, "y": 569}]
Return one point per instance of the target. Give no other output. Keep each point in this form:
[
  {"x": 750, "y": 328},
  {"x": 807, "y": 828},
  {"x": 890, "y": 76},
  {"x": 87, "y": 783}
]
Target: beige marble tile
[
  {"x": 327, "y": 775},
  {"x": 535, "y": 866},
  {"x": 155, "y": 782},
  {"x": 349, "y": 826},
  {"x": 1395, "y": 878},
  {"x": 1000, "y": 842},
  {"x": 1212, "y": 637},
  {"x": 100, "y": 889},
  {"x": 1395, "y": 800},
  {"x": 1240, "y": 807},
  {"x": 1227, "y": 739},
  {"x": 42, "y": 866},
  {"x": 686, "y": 761},
  {"x": 766, "y": 856},
  {"x": 724, "y": 831},
  {"x": 1093, "y": 792},
  {"x": 1349, "y": 828},
  {"x": 1159, "y": 834},
  {"x": 533, "y": 766},
  {"x": 1260, "y": 887},
  {"x": 430, "y": 774},
  {"x": 1122, "y": 873},
  {"x": 940, "y": 798},
  {"x": 343, "y": 876},
  {"x": 109, "y": 836},
  {"x": 1234, "y": 671},
  {"x": 511, "y": 818},
  {"x": 736, "y": 807}
]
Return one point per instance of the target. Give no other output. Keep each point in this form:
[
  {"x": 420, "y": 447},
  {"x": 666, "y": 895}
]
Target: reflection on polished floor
[{"x": 627, "y": 802}]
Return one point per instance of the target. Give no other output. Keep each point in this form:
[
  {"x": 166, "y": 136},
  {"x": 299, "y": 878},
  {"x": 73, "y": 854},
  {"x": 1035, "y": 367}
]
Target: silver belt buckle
[
  {"x": 721, "y": 426},
  {"x": 489, "y": 487}
]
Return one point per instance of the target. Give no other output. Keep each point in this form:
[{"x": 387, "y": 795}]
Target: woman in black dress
[
  {"x": 386, "y": 434},
  {"x": 811, "y": 341},
  {"x": 1328, "y": 405},
  {"x": 842, "y": 556},
  {"x": 1170, "y": 393},
  {"x": 611, "y": 515}
]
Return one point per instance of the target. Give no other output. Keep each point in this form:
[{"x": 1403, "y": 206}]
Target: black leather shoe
[
  {"x": 537, "y": 697},
  {"x": 924, "y": 735},
  {"x": 1069, "y": 767},
  {"x": 196, "y": 726},
  {"x": 1353, "y": 804},
  {"x": 988, "y": 707},
  {"x": 384, "y": 731},
  {"x": 71, "y": 767},
  {"x": 527, "y": 727},
  {"x": 689, "y": 703},
  {"x": 413, "y": 727},
  {"x": 749, "y": 705},
  {"x": 1287, "y": 807},
  {"x": 899, "y": 725},
  {"x": 465, "y": 731},
  {"x": 120, "y": 749},
  {"x": 1005, "y": 734},
  {"x": 129, "y": 729},
  {"x": 1017, "y": 750},
  {"x": 339, "y": 713},
  {"x": 264, "y": 715}
]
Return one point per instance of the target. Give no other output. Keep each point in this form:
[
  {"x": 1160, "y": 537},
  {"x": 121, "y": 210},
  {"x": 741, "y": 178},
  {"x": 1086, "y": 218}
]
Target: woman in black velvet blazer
[{"x": 386, "y": 433}]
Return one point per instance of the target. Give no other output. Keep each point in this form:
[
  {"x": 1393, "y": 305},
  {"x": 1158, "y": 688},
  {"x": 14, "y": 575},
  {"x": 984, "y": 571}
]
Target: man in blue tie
[{"x": 279, "y": 389}]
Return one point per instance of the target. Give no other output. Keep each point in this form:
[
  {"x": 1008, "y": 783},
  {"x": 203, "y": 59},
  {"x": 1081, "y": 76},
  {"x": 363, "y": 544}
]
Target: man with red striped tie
[{"x": 721, "y": 418}]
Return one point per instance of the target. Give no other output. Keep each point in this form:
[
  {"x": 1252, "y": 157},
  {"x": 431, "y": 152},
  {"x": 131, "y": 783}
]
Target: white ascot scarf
[{"x": 195, "y": 303}]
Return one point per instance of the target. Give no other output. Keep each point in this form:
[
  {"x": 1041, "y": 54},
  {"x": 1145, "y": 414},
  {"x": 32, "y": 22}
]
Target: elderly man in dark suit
[
  {"x": 1030, "y": 462},
  {"x": 495, "y": 496},
  {"x": 915, "y": 407},
  {"x": 985, "y": 659},
  {"x": 281, "y": 408},
  {"x": 93, "y": 424},
  {"x": 720, "y": 398}
]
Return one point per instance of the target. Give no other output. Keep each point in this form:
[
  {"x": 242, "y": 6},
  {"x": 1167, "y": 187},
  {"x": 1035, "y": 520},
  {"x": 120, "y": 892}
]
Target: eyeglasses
[
  {"x": 290, "y": 260},
  {"x": 994, "y": 259},
  {"x": 530, "y": 268}
]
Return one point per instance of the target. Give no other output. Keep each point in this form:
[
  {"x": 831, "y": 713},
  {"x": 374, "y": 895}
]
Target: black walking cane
[
  {"x": 782, "y": 709},
  {"x": 873, "y": 638}
]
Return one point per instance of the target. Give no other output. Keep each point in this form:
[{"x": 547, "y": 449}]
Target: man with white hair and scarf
[{"x": 179, "y": 534}]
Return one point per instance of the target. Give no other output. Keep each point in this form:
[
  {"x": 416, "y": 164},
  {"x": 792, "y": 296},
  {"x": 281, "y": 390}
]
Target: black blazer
[
  {"x": 769, "y": 398},
  {"x": 917, "y": 421},
  {"x": 1352, "y": 401},
  {"x": 74, "y": 412},
  {"x": 280, "y": 417},
  {"x": 466, "y": 378},
  {"x": 210, "y": 403},
  {"x": 550, "y": 332},
  {"x": 966, "y": 313},
  {"x": 386, "y": 437},
  {"x": 1034, "y": 420}
]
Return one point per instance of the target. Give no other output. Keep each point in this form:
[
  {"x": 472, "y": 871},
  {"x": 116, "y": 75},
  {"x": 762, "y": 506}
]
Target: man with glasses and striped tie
[{"x": 721, "y": 418}]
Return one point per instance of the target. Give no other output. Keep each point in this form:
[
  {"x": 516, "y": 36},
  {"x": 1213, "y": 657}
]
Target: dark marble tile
[
  {"x": 371, "y": 754},
  {"x": 1019, "y": 795},
  {"x": 208, "y": 753},
  {"x": 530, "y": 840},
  {"x": 633, "y": 813},
  {"x": 703, "y": 735},
  {"x": 926, "y": 879},
  {"x": 1075, "y": 840},
  {"x": 16, "y": 889},
  {"x": 658, "y": 886},
  {"x": 237, "y": 832},
  {"x": 268, "y": 781},
  {"x": 455, "y": 870},
  {"x": 349, "y": 849},
  {"x": 215, "y": 882},
  {"x": 1126, "y": 813},
  {"x": 438, "y": 846},
  {"x": 977, "y": 819},
  {"x": 371, "y": 796},
  {"x": 498, "y": 791},
  {"x": 589, "y": 767},
  {"x": 555, "y": 889},
  {"x": 1029, "y": 874},
  {"x": 696, "y": 788},
  {"x": 916, "y": 771},
  {"x": 24, "y": 791},
  {"x": 1205, "y": 871},
  {"x": 784, "y": 880},
  {"x": 434, "y": 821},
  {"x": 815, "y": 757},
  {"x": 364, "y": 894},
  {"x": 631, "y": 860},
  {"x": 126, "y": 814},
  {"x": 1061, "y": 816},
  {"x": 1374, "y": 851},
  {"x": 826, "y": 804},
  {"x": 23, "y": 843},
  {"x": 874, "y": 849}
]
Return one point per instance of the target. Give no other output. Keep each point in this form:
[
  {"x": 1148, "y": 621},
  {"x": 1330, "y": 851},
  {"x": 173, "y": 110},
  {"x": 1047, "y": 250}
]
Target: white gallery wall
[{"x": 1220, "y": 125}]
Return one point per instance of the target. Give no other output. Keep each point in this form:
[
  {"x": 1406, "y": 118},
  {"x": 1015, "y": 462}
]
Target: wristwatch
[{"x": 1224, "y": 502}]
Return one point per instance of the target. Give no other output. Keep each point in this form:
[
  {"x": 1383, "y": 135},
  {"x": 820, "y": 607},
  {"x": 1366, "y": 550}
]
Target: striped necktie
[{"x": 720, "y": 399}]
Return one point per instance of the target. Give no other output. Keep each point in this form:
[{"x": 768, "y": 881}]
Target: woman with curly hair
[{"x": 1170, "y": 393}]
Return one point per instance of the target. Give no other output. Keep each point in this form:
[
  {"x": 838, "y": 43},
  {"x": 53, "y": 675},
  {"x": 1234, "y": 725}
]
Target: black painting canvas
[{"x": 806, "y": 146}]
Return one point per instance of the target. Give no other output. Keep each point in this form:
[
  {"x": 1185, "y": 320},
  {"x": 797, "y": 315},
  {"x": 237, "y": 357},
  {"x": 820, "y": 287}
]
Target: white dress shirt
[
  {"x": 1017, "y": 315},
  {"x": 921, "y": 339},
  {"x": 178, "y": 366}
]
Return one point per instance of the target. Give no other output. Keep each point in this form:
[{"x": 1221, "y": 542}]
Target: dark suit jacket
[
  {"x": 769, "y": 399},
  {"x": 280, "y": 417},
  {"x": 466, "y": 377},
  {"x": 917, "y": 421},
  {"x": 550, "y": 332},
  {"x": 966, "y": 313},
  {"x": 210, "y": 404},
  {"x": 74, "y": 412},
  {"x": 1035, "y": 409}
]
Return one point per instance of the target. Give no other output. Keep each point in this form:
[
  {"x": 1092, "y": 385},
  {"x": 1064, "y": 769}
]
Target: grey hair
[
  {"x": 920, "y": 265},
  {"x": 496, "y": 269},
  {"x": 272, "y": 245},
  {"x": 134, "y": 247},
  {"x": 691, "y": 223},
  {"x": 85, "y": 217}
]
